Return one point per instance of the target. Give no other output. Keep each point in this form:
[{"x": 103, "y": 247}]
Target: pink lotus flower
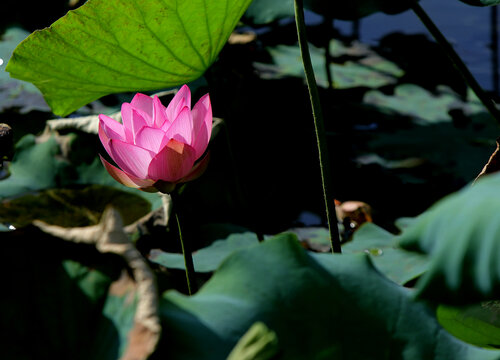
[{"x": 158, "y": 147}]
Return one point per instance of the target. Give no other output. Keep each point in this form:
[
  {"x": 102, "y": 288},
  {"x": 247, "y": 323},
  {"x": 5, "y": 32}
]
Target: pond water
[{"x": 468, "y": 28}]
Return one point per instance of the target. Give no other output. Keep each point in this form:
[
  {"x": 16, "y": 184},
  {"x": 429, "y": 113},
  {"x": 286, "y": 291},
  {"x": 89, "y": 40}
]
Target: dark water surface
[{"x": 468, "y": 28}]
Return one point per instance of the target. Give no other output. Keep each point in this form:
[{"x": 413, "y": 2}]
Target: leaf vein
[
  {"x": 121, "y": 48},
  {"x": 169, "y": 50}
]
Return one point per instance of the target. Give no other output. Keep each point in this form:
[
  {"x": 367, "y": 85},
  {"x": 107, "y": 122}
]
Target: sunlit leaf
[
  {"x": 424, "y": 106},
  {"x": 116, "y": 46},
  {"x": 335, "y": 307},
  {"x": 460, "y": 233}
]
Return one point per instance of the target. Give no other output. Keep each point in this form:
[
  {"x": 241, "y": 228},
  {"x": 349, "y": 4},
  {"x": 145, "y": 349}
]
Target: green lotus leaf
[
  {"x": 111, "y": 46},
  {"x": 460, "y": 233},
  {"x": 333, "y": 306}
]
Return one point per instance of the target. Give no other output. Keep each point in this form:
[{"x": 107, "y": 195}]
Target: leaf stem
[
  {"x": 319, "y": 127},
  {"x": 455, "y": 59}
]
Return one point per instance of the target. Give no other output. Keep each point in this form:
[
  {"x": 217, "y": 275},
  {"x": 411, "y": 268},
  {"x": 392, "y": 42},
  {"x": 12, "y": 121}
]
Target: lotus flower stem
[
  {"x": 319, "y": 127},
  {"x": 188, "y": 259},
  {"x": 167, "y": 201},
  {"x": 455, "y": 59}
]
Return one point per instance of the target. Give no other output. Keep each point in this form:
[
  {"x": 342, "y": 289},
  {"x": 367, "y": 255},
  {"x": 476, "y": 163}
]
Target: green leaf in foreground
[
  {"x": 336, "y": 307},
  {"x": 391, "y": 260},
  {"x": 476, "y": 324},
  {"x": 110, "y": 46},
  {"x": 460, "y": 233}
]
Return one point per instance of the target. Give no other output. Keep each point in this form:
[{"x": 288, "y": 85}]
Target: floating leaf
[
  {"x": 423, "y": 106},
  {"x": 209, "y": 258},
  {"x": 16, "y": 93},
  {"x": 397, "y": 264},
  {"x": 35, "y": 166},
  {"x": 460, "y": 233},
  {"x": 277, "y": 283},
  {"x": 115, "y": 46},
  {"x": 372, "y": 71}
]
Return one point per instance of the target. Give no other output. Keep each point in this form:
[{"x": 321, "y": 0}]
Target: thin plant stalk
[
  {"x": 319, "y": 126},
  {"x": 455, "y": 59},
  {"x": 168, "y": 207}
]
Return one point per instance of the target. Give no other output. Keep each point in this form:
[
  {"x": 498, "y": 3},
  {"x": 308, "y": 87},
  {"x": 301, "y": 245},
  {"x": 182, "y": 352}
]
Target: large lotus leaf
[
  {"x": 16, "y": 93},
  {"x": 207, "y": 259},
  {"x": 460, "y": 233},
  {"x": 332, "y": 307},
  {"x": 481, "y": 2},
  {"x": 110, "y": 46},
  {"x": 53, "y": 296},
  {"x": 372, "y": 71},
  {"x": 476, "y": 324},
  {"x": 397, "y": 264}
]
